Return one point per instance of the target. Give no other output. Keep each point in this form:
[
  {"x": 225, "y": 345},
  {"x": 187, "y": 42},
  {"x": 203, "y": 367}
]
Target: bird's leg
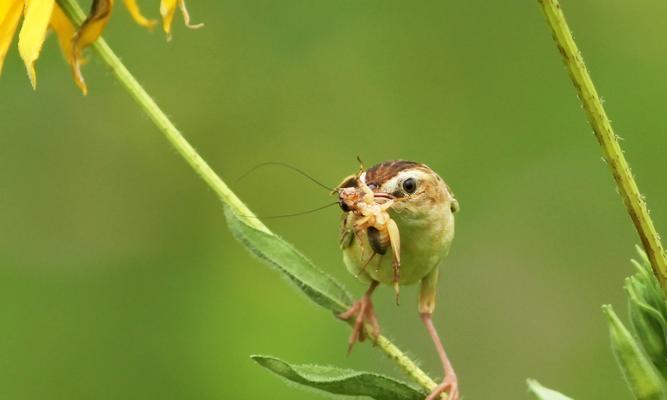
[
  {"x": 395, "y": 243},
  {"x": 363, "y": 310},
  {"x": 449, "y": 384}
]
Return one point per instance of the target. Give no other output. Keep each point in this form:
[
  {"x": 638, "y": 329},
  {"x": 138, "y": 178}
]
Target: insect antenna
[
  {"x": 361, "y": 164},
  {"x": 296, "y": 214},
  {"x": 288, "y": 166}
]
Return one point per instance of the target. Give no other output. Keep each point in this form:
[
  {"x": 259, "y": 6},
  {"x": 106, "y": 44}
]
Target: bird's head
[{"x": 416, "y": 190}]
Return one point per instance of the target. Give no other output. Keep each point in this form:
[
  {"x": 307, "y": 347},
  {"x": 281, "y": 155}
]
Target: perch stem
[{"x": 611, "y": 149}]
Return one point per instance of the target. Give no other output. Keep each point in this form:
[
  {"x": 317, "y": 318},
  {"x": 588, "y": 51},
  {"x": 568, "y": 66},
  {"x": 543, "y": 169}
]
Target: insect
[
  {"x": 405, "y": 209},
  {"x": 373, "y": 221}
]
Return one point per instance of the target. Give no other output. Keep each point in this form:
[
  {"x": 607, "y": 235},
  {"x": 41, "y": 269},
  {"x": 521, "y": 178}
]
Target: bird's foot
[
  {"x": 449, "y": 385},
  {"x": 363, "y": 312}
]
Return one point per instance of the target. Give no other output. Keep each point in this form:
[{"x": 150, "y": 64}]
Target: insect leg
[
  {"x": 379, "y": 263},
  {"x": 363, "y": 269},
  {"x": 395, "y": 242}
]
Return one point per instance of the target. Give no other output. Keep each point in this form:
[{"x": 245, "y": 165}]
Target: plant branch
[
  {"x": 611, "y": 149},
  {"x": 160, "y": 119}
]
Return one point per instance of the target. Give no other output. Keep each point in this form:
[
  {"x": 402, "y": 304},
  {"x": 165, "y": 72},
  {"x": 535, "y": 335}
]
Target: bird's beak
[{"x": 384, "y": 197}]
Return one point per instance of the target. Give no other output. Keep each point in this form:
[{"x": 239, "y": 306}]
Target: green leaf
[
  {"x": 342, "y": 381},
  {"x": 647, "y": 311},
  {"x": 276, "y": 252},
  {"x": 543, "y": 393},
  {"x": 639, "y": 373}
]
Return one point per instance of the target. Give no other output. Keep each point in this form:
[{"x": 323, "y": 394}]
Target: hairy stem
[
  {"x": 611, "y": 149},
  {"x": 185, "y": 149}
]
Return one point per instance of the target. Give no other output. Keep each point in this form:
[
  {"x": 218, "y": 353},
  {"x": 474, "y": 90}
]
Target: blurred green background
[{"x": 119, "y": 279}]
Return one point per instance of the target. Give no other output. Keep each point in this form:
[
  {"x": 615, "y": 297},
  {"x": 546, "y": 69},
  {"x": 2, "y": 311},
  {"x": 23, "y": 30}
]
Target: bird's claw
[
  {"x": 449, "y": 385},
  {"x": 363, "y": 310}
]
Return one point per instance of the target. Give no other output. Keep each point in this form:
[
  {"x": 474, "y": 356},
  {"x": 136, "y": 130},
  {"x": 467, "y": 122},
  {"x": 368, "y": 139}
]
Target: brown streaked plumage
[{"x": 380, "y": 173}]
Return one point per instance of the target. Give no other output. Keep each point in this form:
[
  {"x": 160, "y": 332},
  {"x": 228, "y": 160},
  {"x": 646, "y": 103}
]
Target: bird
[{"x": 397, "y": 226}]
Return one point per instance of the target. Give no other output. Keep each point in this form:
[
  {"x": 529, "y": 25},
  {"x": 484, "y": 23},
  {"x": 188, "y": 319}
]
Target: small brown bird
[{"x": 406, "y": 209}]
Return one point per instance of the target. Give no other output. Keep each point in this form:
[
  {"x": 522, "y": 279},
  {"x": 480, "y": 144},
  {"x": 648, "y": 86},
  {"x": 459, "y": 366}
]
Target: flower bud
[
  {"x": 647, "y": 310},
  {"x": 640, "y": 374}
]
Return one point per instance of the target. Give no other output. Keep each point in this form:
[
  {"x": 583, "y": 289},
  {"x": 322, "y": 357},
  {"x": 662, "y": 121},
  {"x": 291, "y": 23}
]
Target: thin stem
[
  {"x": 611, "y": 149},
  {"x": 406, "y": 364},
  {"x": 160, "y": 119}
]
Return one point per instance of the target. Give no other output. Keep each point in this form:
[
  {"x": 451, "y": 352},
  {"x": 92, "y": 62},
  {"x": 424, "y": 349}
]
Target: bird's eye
[{"x": 409, "y": 185}]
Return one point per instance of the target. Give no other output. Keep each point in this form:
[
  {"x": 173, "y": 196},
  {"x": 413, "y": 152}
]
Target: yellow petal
[
  {"x": 65, "y": 30},
  {"x": 167, "y": 9},
  {"x": 90, "y": 30},
  {"x": 6, "y": 6},
  {"x": 63, "y": 27},
  {"x": 135, "y": 12},
  {"x": 33, "y": 32},
  {"x": 10, "y": 12}
]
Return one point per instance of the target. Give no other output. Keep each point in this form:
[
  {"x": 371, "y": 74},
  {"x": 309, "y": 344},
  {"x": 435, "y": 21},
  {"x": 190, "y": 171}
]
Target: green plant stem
[
  {"x": 406, "y": 364},
  {"x": 611, "y": 149},
  {"x": 160, "y": 119}
]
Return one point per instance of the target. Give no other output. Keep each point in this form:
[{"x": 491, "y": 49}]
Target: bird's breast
[{"x": 425, "y": 240}]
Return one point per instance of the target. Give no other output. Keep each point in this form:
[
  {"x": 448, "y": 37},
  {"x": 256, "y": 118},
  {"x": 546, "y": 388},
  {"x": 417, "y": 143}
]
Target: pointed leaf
[
  {"x": 342, "y": 381},
  {"x": 90, "y": 30},
  {"x": 275, "y": 251},
  {"x": 543, "y": 393}
]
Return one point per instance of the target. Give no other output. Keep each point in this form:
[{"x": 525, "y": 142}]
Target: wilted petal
[
  {"x": 10, "y": 12},
  {"x": 90, "y": 30},
  {"x": 63, "y": 27},
  {"x": 167, "y": 10},
  {"x": 138, "y": 17},
  {"x": 33, "y": 32},
  {"x": 92, "y": 27},
  {"x": 186, "y": 16},
  {"x": 65, "y": 30}
]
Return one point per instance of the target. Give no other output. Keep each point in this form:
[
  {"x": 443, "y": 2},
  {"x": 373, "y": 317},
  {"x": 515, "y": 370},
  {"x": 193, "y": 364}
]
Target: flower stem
[
  {"x": 185, "y": 149},
  {"x": 160, "y": 119},
  {"x": 611, "y": 149}
]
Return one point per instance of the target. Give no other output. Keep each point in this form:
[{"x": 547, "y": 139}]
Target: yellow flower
[{"x": 40, "y": 15}]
